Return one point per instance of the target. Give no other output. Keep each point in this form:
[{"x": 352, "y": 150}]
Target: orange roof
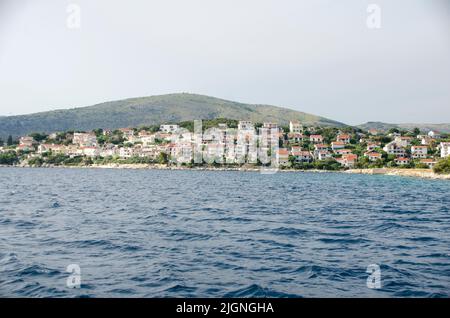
[{"x": 350, "y": 157}]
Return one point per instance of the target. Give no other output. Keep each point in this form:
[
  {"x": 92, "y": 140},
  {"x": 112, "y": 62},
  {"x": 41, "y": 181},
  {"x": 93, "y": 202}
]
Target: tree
[
  {"x": 8, "y": 158},
  {"x": 443, "y": 166},
  {"x": 9, "y": 142},
  {"x": 393, "y": 130},
  {"x": 1, "y": 142},
  {"x": 38, "y": 136},
  {"x": 163, "y": 158},
  {"x": 416, "y": 131}
]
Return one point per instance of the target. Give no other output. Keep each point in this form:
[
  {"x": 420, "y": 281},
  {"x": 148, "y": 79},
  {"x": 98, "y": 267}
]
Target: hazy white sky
[{"x": 315, "y": 56}]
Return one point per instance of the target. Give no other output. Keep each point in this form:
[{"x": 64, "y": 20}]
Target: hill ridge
[{"x": 148, "y": 110}]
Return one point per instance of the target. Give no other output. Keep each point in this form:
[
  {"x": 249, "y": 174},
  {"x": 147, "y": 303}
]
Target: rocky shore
[{"x": 417, "y": 173}]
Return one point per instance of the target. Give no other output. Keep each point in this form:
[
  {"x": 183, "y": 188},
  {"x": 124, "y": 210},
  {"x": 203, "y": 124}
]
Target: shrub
[{"x": 443, "y": 166}]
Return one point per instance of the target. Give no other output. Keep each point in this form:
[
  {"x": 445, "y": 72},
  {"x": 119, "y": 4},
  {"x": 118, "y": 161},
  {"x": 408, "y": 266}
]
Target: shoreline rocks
[{"x": 417, "y": 173}]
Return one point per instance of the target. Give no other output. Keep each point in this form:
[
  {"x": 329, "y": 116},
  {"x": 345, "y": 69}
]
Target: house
[
  {"x": 373, "y": 156},
  {"x": 127, "y": 132},
  {"x": 295, "y": 127},
  {"x": 343, "y": 151},
  {"x": 108, "y": 151},
  {"x": 401, "y": 161},
  {"x": 322, "y": 154},
  {"x": 316, "y": 138},
  {"x": 301, "y": 156},
  {"x": 150, "y": 151},
  {"x": 335, "y": 145},
  {"x": 372, "y": 146},
  {"x": 425, "y": 140},
  {"x": 393, "y": 148},
  {"x": 394, "y": 134},
  {"x": 403, "y": 141},
  {"x": 24, "y": 148},
  {"x": 163, "y": 136},
  {"x": 419, "y": 152},
  {"x": 245, "y": 125},
  {"x": 373, "y": 131},
  {"x": 434, "y": 134},
  {"x": 148, "y": 139},
  {"x": 344, "y": 138},
  {"x": 126, "y": 152},
  {"x": 72, "y": 151},
  {"x": 429, "y": 162},
  {"x": 90, "y": 151},
  {"x": 169, "y": 128},
  {"x": 282, "y": 156},
  {"x": 269, "y": 125},
  {"x": 85, "y": 139},
  {"x": 348, "y": 160},
  {"x": 295, "y": 137},
  {"x": 44, "y": 148},
  {"x": 445, "y": 149},
  {"x": 319, "y": 147},
  {"x": 182, "y": 152},
  {"x": 26, "y": 141}
]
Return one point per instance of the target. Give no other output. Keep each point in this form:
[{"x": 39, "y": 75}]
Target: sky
[{"x": 316, "y": 56}]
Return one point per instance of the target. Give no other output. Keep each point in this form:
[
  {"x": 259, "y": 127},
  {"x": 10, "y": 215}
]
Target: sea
[{"x": 160, "y": 233}]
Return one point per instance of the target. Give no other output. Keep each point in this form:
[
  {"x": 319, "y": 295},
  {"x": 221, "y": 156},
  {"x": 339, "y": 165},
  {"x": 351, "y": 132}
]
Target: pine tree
[{"x": 10, "y": 141}]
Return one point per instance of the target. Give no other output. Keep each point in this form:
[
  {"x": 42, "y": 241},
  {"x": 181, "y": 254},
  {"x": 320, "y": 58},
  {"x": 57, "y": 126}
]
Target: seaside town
[{"x": 232, "y": 143}]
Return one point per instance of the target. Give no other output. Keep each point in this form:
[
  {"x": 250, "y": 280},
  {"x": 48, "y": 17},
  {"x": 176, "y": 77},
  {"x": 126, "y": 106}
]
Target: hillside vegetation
[{"x": 135, "y": 112}]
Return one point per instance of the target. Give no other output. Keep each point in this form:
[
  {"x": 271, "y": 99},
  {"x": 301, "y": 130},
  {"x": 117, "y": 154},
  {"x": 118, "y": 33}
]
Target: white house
[
  {"x": 168, "y": 128},
  {"x": 282, "y": 156},
  {"x": 295, "y": 137},
  {"x": 84, "y": 139},
  {"x": 245, "y": 125},
  {"x": 345, "y": 138},
  {"x": 434, "y": 134},
  {"x": 90, "y": 151},
  {"x": 348, "y": 161},
  {"x": 393, "y": 148},
  {"x": 301, "y": 156},
  {"x": 419, "y": 151},
  {"x": 316, "y": 138},
  {"x": 373, "y": 156},
  {"x": 401, "y": 161},
  {"x": 269, "y": 125},
  {"x": 335, "y": 145},
  {"x": 372, "y": 146},
  {"x": 403, "y": 141},
  {"x": 295, "y": 127},
  {"x": 445, "y": 149},
  {"x": 126, "y": 152},
  {"x": 429, "y": 162},
  {"x": 322, "y": 154}
]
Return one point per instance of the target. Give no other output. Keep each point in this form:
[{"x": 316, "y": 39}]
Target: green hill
[
  {"x": 135, "y": 112},
  {"x": 444, "y": 128}
]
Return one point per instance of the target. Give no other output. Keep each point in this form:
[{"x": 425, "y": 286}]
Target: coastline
[{"x": 416, "y": 173}]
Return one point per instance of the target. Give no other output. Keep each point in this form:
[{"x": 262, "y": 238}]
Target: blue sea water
[{"x": 150, "y": 233}]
